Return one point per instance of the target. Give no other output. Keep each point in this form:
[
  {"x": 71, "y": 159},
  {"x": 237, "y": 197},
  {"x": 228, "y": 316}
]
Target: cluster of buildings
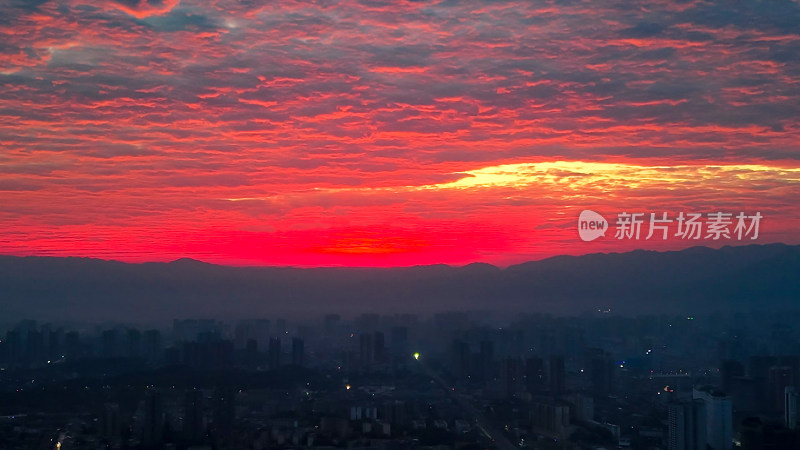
[{"x": 450, "y": 381}]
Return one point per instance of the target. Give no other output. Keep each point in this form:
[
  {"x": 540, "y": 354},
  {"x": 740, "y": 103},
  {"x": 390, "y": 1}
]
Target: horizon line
[{"x": 500, "y": 267}]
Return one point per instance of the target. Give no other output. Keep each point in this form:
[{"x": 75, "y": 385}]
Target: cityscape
[
  {"x": 399, "y": 224},
  {"x": 451, "y": 380}
]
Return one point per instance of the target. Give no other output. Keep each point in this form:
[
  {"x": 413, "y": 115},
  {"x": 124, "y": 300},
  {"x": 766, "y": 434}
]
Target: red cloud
[
  {"x": 145, "y": 8},
  {"x": 353, "y": 134}
]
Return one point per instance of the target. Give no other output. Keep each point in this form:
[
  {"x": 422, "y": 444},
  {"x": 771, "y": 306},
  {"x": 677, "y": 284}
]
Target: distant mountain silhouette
[{"x": 691, "y": 281}]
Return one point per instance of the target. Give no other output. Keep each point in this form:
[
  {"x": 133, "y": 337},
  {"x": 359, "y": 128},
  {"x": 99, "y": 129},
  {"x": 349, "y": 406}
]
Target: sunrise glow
[{"x": 386, "y": 133}]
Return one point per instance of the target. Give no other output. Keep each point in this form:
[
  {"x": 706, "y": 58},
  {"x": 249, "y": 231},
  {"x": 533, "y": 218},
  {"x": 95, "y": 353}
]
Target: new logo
[{"x": 591, "y": 225}]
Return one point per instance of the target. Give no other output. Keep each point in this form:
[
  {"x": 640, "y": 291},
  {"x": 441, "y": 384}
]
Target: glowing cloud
[{"x": 386, "y": 133}]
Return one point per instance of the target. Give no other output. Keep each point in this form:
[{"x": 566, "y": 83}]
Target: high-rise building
[
  {"x": 511, "y": 376},
  {"x": 152, "y": 345},
  {"x": 253, "y": 329},
  {"x": 558, "y": 375},
  {"x": 379, "y": 343},
  {"x": 367, "y": 350},
  {"x": 779, "y": 378},
  {"x": 719, "y": 418},
  {"x": 551, "y": 416},
  {"x": 581, "y": 407},
  {"x": 134, "y": 343},
  {"x": 460, "y": 358},
  {"x": 251, "y": 351},
  {"x": 399, "y": 342},
  {"x": 758, "y": 435},
  {"x": 72, "y": 344},
  {"x": 730, "y": 369},
  {"x": 687, "y": 426},
  {"x": 109, "y": 343},
  {"x": 486, "y": 360},
  {"x": 194, "y": 429},
  {"x": 194, "y": 329},
  {"x": 224, "y": 413},
  {"x": 274, "y": 353},
  {"x": 36, "y": 351},
  {"x": 790, "y": 405},
  {"x": 153, "y": 423},
  {"x": 534, "y": 374},
  {"x": 601, "y": 372},
  {"x": 297, "y": 351},
  {"x": 110, "y": 422},
  {"x": 212, "y": 353}
]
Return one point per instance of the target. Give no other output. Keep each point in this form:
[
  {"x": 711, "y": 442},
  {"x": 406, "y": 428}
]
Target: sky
[{"x": 371, "y": 133}]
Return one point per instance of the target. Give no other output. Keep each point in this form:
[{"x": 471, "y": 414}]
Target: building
[
  {"x": 550, "y": 417},
  {"x": 534, "y": 374},
  {"x": 153, "y": 423},
  {"x": 224, "y": 413},
  {"x": 730, "y": 369},
  {"x": 511, "y": 376},
  {"x": 399, "y": 342},
  {"x": 110, "y": 426},
  {"x": 379, "y": 342},
  {"x": 757, "y": 435},
  {"x": 460, "y": 358},
  {"x": 298, "y": 351},
  {"x": 779, "y": 378},
  {"x": 558, "y": 375},
  {"x": 687, "y": 426},
  {"x": 790, "y": 404},
  {"x": 367, "y": 349},
  {"x": 719, "y": 418},
  {"x": 486, "y": 360},
  {"x": 194, "y": 428},
  {"x": 581, "y": 407},
  {"x": 601, "y": 372},
  {"x": 274, "y": 353}
]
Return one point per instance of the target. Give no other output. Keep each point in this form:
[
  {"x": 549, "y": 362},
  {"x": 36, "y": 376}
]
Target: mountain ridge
[{"x": 692, "y": 280}]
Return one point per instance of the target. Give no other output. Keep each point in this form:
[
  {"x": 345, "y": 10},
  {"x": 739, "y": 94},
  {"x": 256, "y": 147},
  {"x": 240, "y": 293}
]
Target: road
[{"x": 492, "y": 433}]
